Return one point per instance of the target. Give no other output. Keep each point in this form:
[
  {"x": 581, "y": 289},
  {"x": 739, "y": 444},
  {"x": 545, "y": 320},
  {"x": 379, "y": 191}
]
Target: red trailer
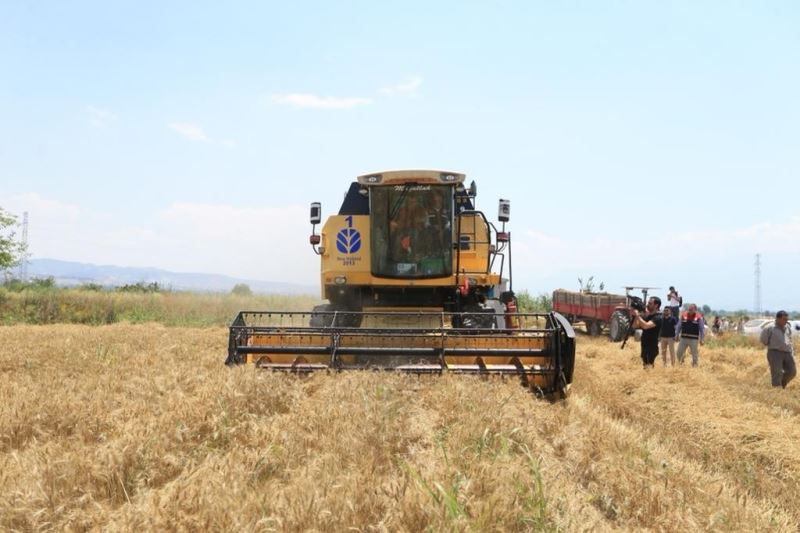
[
  {"x": 595, "y": 309},
  {"x": 598, "y": 310}
]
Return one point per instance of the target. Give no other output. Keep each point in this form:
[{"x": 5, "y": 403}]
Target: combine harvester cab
[{"x": 408, "y": 268}]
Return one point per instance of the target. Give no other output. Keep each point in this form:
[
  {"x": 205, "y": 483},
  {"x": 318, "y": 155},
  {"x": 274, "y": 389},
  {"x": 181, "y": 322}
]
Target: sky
[{"x": 641, "y": 143}]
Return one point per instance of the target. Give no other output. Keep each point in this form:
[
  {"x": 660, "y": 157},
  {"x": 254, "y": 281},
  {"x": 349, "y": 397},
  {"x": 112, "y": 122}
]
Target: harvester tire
[
  {"x": 478, "y": 318},
  {"x": 593, "y": 328},
  {"x": 617, "y": 326},
  {"x": 319, "y": 320},
  {"x": 348, "y": 320}
]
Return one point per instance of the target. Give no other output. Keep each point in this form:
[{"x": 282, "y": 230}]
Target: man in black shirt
[
  {"x": 650, "y": 325},
  {"x": 667, "y": 335}
]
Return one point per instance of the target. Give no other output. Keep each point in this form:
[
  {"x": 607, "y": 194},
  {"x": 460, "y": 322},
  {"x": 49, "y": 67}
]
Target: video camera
[{"x": 636, "y": 303}]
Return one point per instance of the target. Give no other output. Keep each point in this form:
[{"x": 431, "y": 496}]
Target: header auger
[{"x": 413, "y": 274}]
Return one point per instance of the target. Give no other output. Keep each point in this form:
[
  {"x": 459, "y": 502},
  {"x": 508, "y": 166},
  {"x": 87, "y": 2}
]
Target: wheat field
[{"x": 141, "y": 427}]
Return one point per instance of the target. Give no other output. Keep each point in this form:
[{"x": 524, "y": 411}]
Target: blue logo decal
[{"x": 348, "y": 241}]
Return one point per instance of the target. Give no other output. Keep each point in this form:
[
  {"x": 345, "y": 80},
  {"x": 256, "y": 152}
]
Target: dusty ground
[{"x": 141, "y": 427}]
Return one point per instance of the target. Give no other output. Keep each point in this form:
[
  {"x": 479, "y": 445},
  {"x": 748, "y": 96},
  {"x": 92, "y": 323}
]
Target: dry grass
[
  {"x": 128, "y": 427},
  {"x": 77, "y": 306}
]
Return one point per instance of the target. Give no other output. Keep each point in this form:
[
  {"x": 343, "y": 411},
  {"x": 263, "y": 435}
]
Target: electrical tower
[
  {"x": 758, "y": 285},
  {"x": 23, "y": 265}
]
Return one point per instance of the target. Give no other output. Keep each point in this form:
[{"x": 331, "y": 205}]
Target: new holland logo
[{"x": 348, "y": 241}]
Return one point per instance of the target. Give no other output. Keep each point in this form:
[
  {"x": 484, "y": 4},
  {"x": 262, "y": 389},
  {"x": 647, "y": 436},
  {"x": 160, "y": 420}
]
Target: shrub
[
  {"x": 18, "y": 285},
  {"x": 242, "y": 289},
  {"x": 140, "y": 287}
]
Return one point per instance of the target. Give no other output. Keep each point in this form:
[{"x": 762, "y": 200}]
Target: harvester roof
[{"x": 404, "y": 176}]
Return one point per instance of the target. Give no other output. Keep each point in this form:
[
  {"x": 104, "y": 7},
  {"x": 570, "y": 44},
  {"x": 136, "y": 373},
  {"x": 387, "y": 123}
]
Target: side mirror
[
  {"x": 504, "y": 210},
  {"x": 316, "y": 212},
  {"x": 473, "y": 189}
]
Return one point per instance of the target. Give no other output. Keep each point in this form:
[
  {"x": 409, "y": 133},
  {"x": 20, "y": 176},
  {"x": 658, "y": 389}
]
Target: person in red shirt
[{"x": 690, "y": 332}]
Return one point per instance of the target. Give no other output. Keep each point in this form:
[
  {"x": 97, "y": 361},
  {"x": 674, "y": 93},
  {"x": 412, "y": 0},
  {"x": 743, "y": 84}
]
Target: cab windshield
[{"x": 412, "y": 231}]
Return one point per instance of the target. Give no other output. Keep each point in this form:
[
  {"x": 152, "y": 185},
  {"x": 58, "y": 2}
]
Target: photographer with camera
[
  {"x": 650, "y": 324},
  {"x": 674, "y": 302}
]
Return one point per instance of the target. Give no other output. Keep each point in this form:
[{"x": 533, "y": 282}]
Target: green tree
[
  {"x": 534, "y": 304},
  {"x": 11, "y": 250},
  {"x": 242, "y": 289}
]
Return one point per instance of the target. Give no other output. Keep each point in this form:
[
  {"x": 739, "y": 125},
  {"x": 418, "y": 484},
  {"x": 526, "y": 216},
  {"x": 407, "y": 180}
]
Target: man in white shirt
[
  {"x": 674, "y": 301},
  {"x": 777, "y": 338}
]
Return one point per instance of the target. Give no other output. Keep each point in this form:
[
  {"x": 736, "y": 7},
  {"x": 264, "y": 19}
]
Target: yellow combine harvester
[{"x": 414, "y": 277}]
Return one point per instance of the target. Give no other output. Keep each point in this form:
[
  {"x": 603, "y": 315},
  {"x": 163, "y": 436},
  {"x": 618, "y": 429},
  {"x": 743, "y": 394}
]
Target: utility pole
[
  {"x": 757, "y": 305},
  {"x": 23, "y": 265}
]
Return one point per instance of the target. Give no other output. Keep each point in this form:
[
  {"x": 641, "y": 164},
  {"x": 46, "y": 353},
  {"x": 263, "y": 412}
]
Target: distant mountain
[{"x": 69, "y": 273}]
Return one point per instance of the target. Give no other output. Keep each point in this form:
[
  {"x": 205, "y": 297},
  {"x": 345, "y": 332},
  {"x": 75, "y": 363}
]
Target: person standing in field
[
  {"x": 674, "y": 302},
  {"x": 777, "y": 338},
  {"x": 650, "y": 325},
  {"x": 667, "y": 336},
  {"x": 740, "y": 325},
  {"x": 690, "y": 332},
  {"x": 716, "y": 326}
]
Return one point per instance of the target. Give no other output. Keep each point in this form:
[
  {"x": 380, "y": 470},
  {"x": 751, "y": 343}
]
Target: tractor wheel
[
  {"x": 617, "y": 326},
  {"x": 593, "y": 327}
]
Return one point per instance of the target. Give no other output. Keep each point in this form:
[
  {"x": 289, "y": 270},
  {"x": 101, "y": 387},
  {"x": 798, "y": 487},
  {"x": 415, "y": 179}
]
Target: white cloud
[
  {"x": 99, "y": 118},
  {"x": 312, "y": 101},
  {"x": 228, "y": 221},
  {"x": 255, "y": 243},
  {"x": 269, "y": 243},
  {"x": 249, "y": 242},
  {"x": 548, "y": 255},
  {"x": 196, "y": 133},
  {"x": 193, "y": 132},
  {"x": 40, "y": 207},
  {"x": 53, "y": 226},
  {"x": 408, "y": 87}
]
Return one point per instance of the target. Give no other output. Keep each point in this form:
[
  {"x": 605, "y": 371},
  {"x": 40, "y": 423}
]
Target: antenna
[
  {"x": 23, "y": 265},
  {"x": 757, "y": 273}
]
